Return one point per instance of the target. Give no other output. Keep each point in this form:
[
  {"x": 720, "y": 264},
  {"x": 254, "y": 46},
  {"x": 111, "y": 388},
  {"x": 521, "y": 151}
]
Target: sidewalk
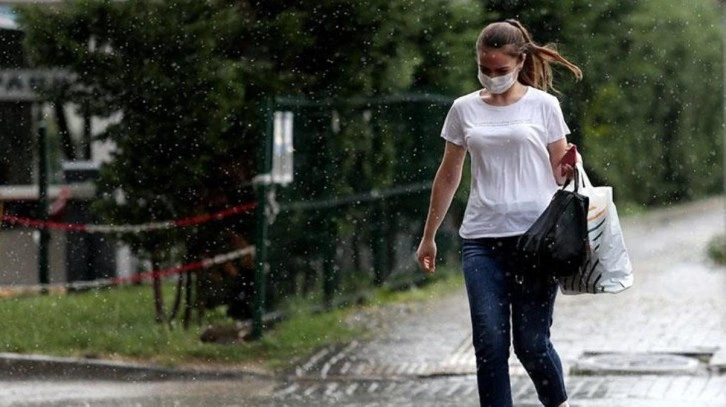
[{"x": 661, "y": 343}]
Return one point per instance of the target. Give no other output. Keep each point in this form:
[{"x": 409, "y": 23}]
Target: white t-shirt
[{"x": 511, "y": 176}]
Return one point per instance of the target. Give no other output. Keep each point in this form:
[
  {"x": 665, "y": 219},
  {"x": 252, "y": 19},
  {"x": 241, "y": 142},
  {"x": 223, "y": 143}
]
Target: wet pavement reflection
[{"x": 659, "y": 344}]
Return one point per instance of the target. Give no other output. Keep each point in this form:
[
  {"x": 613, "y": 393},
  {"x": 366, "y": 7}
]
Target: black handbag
[{"x": 557, "y": 242}]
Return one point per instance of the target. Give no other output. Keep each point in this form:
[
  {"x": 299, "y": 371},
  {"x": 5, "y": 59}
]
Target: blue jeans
[{"x": 502, "y": 300}]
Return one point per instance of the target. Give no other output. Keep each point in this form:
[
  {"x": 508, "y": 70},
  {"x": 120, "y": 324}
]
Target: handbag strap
[{"x": 575, "y": 178}]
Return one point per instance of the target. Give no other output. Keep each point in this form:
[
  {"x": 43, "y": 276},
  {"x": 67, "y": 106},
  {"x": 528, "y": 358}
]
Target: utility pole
[{"x": 43, "y": 245}]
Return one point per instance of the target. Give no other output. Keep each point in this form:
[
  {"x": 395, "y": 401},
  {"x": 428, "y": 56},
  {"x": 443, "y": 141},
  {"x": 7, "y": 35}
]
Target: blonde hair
[{"x": 537, "y": 71}]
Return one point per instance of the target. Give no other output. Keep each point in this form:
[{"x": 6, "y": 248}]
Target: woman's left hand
[
  {"x": 569, "y": 160},
  {"x": 563, "y": 158}
]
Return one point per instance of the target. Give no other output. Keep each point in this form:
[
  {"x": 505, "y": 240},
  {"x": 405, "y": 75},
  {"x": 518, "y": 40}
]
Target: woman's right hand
[
  {"x": 447, "y": 180},
  {"x": 426, "y": 255}
]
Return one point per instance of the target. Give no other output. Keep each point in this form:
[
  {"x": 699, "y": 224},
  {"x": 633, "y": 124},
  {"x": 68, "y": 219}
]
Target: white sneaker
[{"x": 565, "y": 404}]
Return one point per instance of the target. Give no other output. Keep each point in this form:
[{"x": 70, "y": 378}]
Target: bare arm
[{"x": 444, "y": 187}]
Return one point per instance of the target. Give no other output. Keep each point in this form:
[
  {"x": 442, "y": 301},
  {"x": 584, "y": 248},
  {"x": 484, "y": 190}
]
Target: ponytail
[{"x": 537, "y": 70}]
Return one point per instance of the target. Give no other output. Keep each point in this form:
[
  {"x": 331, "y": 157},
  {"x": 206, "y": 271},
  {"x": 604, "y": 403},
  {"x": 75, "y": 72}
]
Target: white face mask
[{"x": 498, "y": 84}]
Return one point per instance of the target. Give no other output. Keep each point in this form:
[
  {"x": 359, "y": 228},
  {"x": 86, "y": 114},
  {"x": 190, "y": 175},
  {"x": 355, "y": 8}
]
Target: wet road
[
  {"x": 110, "y": 393},
  {"x": 675, "y": 311},
  {"x": 599, "y": 391}
]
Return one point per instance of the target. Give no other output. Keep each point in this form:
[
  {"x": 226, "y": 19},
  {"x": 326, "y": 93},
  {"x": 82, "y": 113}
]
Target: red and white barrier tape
[
  {"x": 202, "y": 264},
  {"x": 146, "y": 227},
  {"x": 107, "y": 282}
]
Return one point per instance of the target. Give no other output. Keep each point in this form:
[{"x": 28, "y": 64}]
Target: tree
[
  {"x": 156, "y": 66},
  {"x": 188, "y": 80},
  {"x": 652, "y": 124},
  {"x": 643, "y": 123}
]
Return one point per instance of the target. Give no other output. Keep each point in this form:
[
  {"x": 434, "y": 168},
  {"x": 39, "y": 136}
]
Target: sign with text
[
  {"x": 282, "y": 148},
  {"x": 26, "y": 85}
]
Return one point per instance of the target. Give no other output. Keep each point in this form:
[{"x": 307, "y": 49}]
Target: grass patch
[
  {"x": 119, "y": 324},
  {"x": 717, "y": 249},
  {"x": 630, "y": 209}
]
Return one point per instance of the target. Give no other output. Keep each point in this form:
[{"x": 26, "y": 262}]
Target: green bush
[{"x": 717, "y": 249}]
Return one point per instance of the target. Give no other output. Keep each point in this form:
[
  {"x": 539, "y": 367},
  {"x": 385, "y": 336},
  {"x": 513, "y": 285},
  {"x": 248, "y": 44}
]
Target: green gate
[{"x": 352, "y": 217}]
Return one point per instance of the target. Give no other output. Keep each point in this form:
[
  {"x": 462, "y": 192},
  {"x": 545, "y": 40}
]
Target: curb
[{"x": 15, "y": 366}]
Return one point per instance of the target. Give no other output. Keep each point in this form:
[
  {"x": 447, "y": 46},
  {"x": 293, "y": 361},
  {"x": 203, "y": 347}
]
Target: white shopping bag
[{"x": 609, "y": 269}]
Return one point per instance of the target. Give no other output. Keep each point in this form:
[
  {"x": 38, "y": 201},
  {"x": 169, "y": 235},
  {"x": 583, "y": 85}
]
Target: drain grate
[{"x": 635, "y": 363}]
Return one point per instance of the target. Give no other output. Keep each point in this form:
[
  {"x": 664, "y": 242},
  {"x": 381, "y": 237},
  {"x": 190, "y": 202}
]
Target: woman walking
[{"x": 515, "y": 134}]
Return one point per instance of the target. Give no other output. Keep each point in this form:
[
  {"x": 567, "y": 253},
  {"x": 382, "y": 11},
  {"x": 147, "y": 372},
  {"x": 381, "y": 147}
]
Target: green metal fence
[{"x": 352, "y": 217}]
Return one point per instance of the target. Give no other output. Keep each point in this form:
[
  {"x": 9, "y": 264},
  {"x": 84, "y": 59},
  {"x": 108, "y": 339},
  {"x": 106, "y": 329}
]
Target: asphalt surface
[{"x": 660, "y": 343}]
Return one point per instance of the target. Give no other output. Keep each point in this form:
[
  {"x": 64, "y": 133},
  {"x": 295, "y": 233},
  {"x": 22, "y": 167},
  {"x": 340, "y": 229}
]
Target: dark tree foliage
[
  {"x": 646, "y": 113},
  {"x": 156, "y": 71},
  {"x": 185, "y": 84}
]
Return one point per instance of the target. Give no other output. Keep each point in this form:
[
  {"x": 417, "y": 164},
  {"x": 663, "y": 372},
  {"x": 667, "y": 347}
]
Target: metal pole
[
  {"x": 330, "y": 275},
  {"x": 86, "y": 132},
  {"x": 262, "y": 188},
  {"x": 43, "y": 204}
]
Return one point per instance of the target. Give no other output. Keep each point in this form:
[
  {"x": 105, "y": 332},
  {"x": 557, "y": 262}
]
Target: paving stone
[
  {"x": 675, "y": 309},
  {"x": 587, "y": 391}
]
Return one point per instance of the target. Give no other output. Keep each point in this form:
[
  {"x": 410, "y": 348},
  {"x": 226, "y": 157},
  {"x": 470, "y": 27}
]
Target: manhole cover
[{"x": 635, "y": 363}]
